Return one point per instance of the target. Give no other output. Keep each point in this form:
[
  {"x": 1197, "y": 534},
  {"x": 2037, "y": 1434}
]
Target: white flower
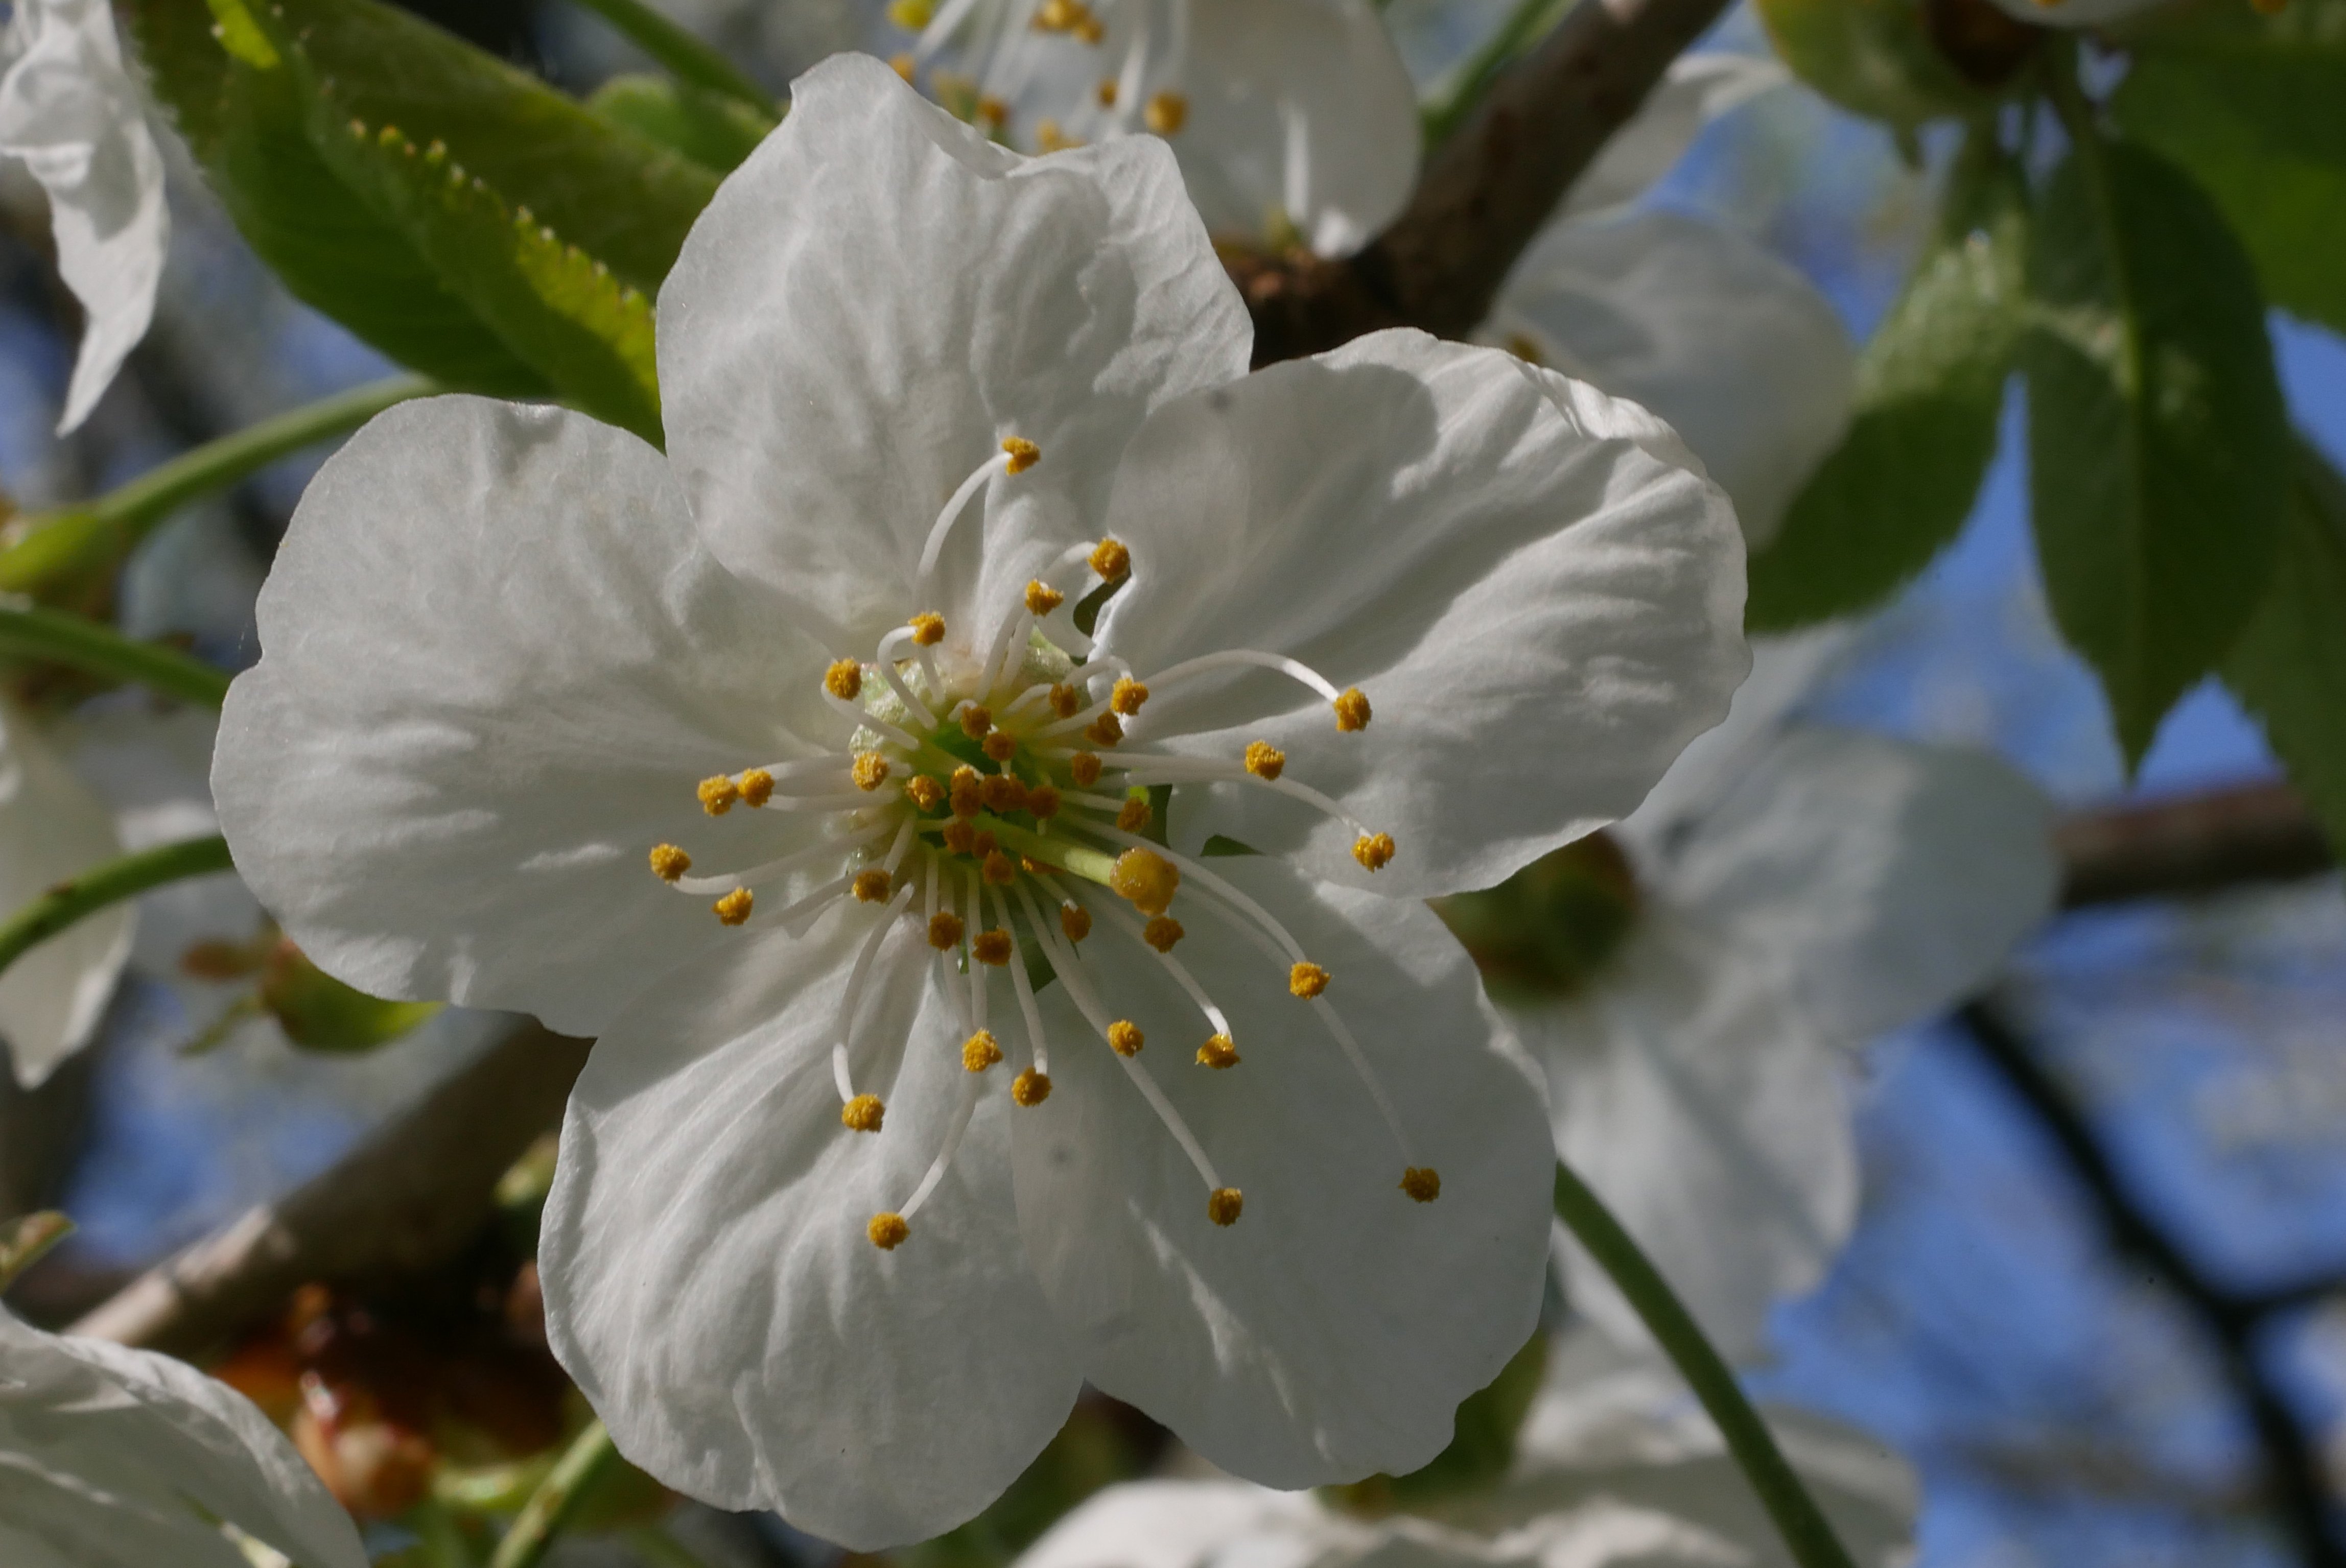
[
  {"x": 72, "y": 113},
  {"x": 1800, "y": 890},
  {"x": 1291, "y": 119},
  {"x": 502, "y": 645},
  {"x": 115, "y": 1458},
  {"x": 1615, "y": 1466}
]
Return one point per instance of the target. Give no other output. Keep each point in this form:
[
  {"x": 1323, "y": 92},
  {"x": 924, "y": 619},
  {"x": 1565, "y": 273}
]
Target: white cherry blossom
[
  {"x": 770, "y": 762},
  {"x": 70, "y": 111},
  {"x": 115, "y": 1458}
]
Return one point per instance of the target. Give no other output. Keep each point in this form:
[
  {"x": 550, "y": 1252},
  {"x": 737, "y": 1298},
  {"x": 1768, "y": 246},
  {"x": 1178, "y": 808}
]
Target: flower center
[{"x": 989, "y": 788}]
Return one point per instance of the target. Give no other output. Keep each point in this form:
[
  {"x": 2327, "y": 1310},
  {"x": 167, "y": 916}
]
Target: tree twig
[{"x": 2194, "y": 844}]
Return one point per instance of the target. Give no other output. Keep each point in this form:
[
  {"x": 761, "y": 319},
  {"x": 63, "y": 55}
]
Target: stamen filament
[
  {"x": 1192, "y": 869},
  {"x": 903, "y": 842},
  {"x": 884, "y": 660},
  {"x": 767, "y": 869},
  {"x": 954, "y": 1129},
  {"x": 821, "y": 895},
  {"x": 1233, "y": 659},
  {"x": 864, "y": 718},
  {"x": 976, "y": 970},
  {"x": 998, "y": 463},
  {"x": 1173, "y": 966},
  {"x": 1038, "y": 1047},
  {"x": 1369, "y": 1080},
  {"x": 1166, "y": 770},
  {"x": 854, "y": 992},
  {"x": 843, "y": 802},
  {"x": 1009, "y": 640}
]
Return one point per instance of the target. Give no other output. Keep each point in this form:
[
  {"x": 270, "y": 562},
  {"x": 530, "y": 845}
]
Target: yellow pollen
[
  {"x": 1374, "y": 850},
  {"x": 1023, "y": 454},
  {"x": 734, "y": 907},
  {"x": 1218, "y": 1052},
  {"x": 1042, "y": 599},
  {"x": 976, "y": 720},
  {"x": 912, "y": 15},
  {"x": 945, "y": 931},
  {"x": 1422, "y": 1183},
  {"x": 668, "y": 862},
  {"x": 1043, "y": 800},
  {"x": 1123, "y": 1037},
  {"x": 1106, "y": 91},
  {"x": 1265, "y": 760},
  {"x": 990, "y": 947},
  {"x": 1145, "y": 878},
  {"x": 1066, "y": 701},
  {"x": 717, "y": 795},
  {"x": 979, "y": 1052},
  {"x": 1134, "y": 814},
  {"x": 1166, "y": 114},
  {"x": 1090, "y": 31},
  {"x": 1076, "y": 920},
  {"x": 1001, "y": 745},
  {"x": 968, "y": 791},
  {"x": 863, "y": 1114},
  {"x": 1030, "y": 1088},
  {"x": 960, "y": 837},
  {"x": 904, "y": 65},
  {"x": 888, "y": 1231},
  {"x": 1352, "y": 710},
  {"x": 1104, "y": 730},
  {"x": 1085, "y": 768},
  {"x": 1005, "y": 793},
  {"x": 1307, "y": 980},
  {"x": 871, "y": 886},
  {"x": 1110, "y": 560},
  {"x": 928, "y": 629},
  {"x": 924, "y": 791},
  {"x": 981, "y": 843},
  {"x": 871, "y": 771},
  {"x": 1061, "y": 15},
  {"x": 999, "y": 870},
  {"x": 1520, "y": 345},
  {"x": 1126, "y": 696},
  {"x": 845, "y": 680},
  {"x": 757, "y": 786},
  {"x": 1162, "y": 933},
  {"x": 1223, "y": 1207},
  {"x": 994, "y": 111}
]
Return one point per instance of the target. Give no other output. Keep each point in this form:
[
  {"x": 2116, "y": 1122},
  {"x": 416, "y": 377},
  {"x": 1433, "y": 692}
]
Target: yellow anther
[
  {"x": 960, "y": 837},
  {"x": 979, "y": 1052},
  {"x": 1145, "y": 878},
  {"x": 1123, "y": 1037},
  {"x": 863, "y": 1114},
  {"x": 1043, "y": 801},
  {"x": 1134, "y": 814},
  {"x": 1023, "y": 454},
  {"x": 1126, "y": 696},
  {"x": 999, "y": 870},
  {"x": 994, "y": 111},
  {"x": 871, "y": 771},
  {"x": 668, "y": 862},
  {"x": 992, "y": 947},
  {"x": 904, "y": 65},
  {"x": 734, "y": 907},
  {"x": 924, "y": 791},
  {"x": 982, "y": 842},
  {"x": 1422, "y": 1183},
  {"x": 967, "y": 791},
  {"x": 1042, "y": 599},
  {"x": 1374, "y": 850},
  {"x": 757, "y": 786},
  {"x": 1520, "y": 345},
  {"x": 976, "y": 720},
  {"x": 888, "y": 1231},
  {"x": 1076, "y": 920},
  {"x": 1307, "y": 980},
  {"x": 1161, "y": 932},
  {"x": 945, "y": 931},
  {"x": 1166, "y": 114},
  {"x": 1085, "y": 768},
  {"x": 845, "y": 680},
  {"x": 912, "y": 15},
  {"x": 1001, "y": 745},
  {"x": 1110, "y": 560},
  {"x": 1352, "y": 710},
  {"x": 1030, "y": 1088},
  {"x": 871, "y": 886},
  {"x": 1104, "y": 730},
  {"x": 1106, "y": 92},
  {"x": 1223, "y": 1207},
  {"x": 717, "y": 795},
  {"x": 1061, "y": 15},
  {"x": 928, "y": 629},
  {"x": 1089, "y": 30},
  {"x": 1005, "y": 793},
  {"x": 1265, "y": 760},
  {"x": 1218, "y": 1052},
  {"x": 1066, "y": 701}
]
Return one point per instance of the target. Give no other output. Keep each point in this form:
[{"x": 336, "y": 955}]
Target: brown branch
[
  {"x": 404, "y": 1201},
  {"x": 2194, "y": 844}
]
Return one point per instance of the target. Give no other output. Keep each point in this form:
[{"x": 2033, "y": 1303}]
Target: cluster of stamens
[
  {"x": 971, "y": 800},
  {"x": 1114, "y": 103}
]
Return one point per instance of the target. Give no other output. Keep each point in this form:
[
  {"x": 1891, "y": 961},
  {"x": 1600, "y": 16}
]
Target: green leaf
[
  {"x": 2159, "y": 447},
  {"x": 1929, "y": 387},
  {"x": 2260, "y": 123},
  {"x": 1879, "y": 58},
  {"x": 714, "y": 131},
  {"x": 2289, "y": 667}
]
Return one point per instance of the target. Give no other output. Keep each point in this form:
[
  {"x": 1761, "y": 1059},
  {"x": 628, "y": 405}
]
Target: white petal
[
  {"x": 1888, "y": 881},
  {"x": 1188, "y": 1524},
  {"x": 1744, "y": 359},
  {"x": 1696, "y": 89},
  {"x": 72, "y": 113},
  {"x": 495, "y": 662},
  {"x": 1785, "y": 670},
  {"x": 1330, "y": 1331},
  {"x": 1533, "y": 585},
  {"x": 876, "y": 298},
  {"x": 710, "y": 1282},
  {"x": 51, "y": 830},
  {"x": 1693, "y": 1094},
  {"x": 110, "y": 1458}
]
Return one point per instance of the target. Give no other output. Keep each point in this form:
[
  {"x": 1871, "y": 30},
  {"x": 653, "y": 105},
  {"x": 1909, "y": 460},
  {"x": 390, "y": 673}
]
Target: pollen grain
[
  {"x": 1222, "y": 1207},
  {"x": 1307, "y": 980},
  {"x": 945, "y": 931},
  {"x": 844, "y": 679},
  {"x": 1030, "y": 1088},
  {"x": 1352, "y": 710},
  {"x": 888, "y": 1231},
  {"x": 1022, "y": 454},
  {"x": 1265, "y": 760},
  {"x": 863, "y": 1114},
  {"x": 734, "y": 907},
  {"x": 1422, "y": 1183},
  {"x": 1124, "y": 1038},
  {"x": 1373, "y": 850},
  {"x": 871, "y": 771},
  {"x": 1110, "y": 561},
  {"x": 718, "y": 794},
  {"x": 990, "y": 947},
  {"x": 1218, "y": 1052},
  {"x": 871, "y": 886},
  {"x": 979, "y": 1052},
  {"x": 668, "y": 862},
  {"x": 1162, "y": 933}
]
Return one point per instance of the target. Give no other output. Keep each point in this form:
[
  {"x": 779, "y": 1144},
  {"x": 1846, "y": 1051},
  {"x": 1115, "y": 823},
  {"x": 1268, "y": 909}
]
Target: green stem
[
  {"x": 66, "y": 638},
  {"x": 441, "y": 1533},
  {"x": 111, "y": 883},
  {"x": 1454, "y": 97},
  {"x": 582, "y": 1467},
  {"x": 1796, "y": 1515},
  {"x": 26, "y": 1241},
  {"x": 96, "y": 532},
  {"x": 684, "y": 55}
]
